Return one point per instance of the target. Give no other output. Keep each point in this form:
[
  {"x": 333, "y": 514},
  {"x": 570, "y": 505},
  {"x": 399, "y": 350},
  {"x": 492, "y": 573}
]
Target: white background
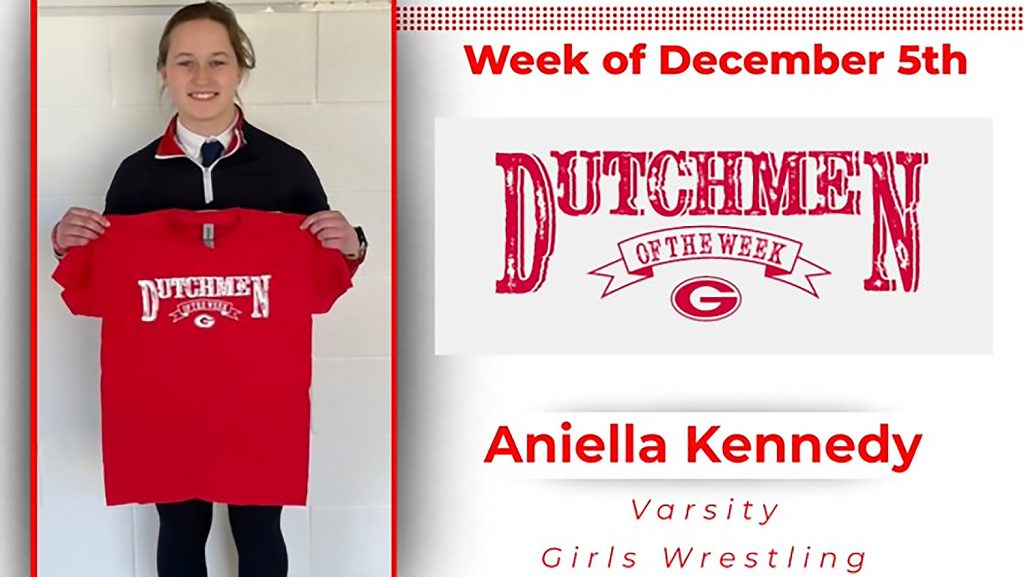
[
  {"x": 955, "y": 512},
  {"x": 322, "y": 84}
]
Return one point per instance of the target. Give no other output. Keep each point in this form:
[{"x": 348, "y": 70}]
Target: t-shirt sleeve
[
  {"x": 331, "y": 277},
  {"x": 78, "y": 274}
]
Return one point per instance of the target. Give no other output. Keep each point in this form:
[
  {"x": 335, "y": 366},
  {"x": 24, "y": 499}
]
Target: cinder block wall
[{"x": 322, "y": 83}]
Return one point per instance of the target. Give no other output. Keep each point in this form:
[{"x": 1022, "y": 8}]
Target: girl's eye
[
  {"x": 185, "y": 63},
  {"x": 217, "y": 63}
]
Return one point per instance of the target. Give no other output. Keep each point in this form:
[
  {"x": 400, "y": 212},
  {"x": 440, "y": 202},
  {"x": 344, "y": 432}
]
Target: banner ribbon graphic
[
  {"x": 639, "y": 255},
  {"x": 185, "y": 309}
]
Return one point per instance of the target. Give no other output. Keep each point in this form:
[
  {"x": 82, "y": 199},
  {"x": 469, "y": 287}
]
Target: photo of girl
[{"x": 169, "y": 474}]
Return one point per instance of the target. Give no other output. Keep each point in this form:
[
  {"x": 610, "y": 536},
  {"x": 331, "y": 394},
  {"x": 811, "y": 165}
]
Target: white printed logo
[
  {"x": 206, "y": 295},
  {"x": 204, "y": 321}
]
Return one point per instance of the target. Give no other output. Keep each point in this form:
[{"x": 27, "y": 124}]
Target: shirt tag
[{"x": 208, "y": 235}]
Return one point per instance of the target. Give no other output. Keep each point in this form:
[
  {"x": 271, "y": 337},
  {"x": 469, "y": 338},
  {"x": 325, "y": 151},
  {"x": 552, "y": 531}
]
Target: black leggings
[{"x": 184, "y": 527}]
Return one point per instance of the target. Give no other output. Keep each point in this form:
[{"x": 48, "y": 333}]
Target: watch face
[{"x": 361, "y": 236}]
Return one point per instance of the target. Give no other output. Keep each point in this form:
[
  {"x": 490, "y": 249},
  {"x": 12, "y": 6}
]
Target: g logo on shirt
[{"x": 204, "y": 321}]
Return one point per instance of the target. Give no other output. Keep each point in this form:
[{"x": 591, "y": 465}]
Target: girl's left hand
[{"x": 333, "y": 230}]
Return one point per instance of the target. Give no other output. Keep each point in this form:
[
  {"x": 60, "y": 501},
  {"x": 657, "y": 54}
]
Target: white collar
[{"x": 192, "y": 143}]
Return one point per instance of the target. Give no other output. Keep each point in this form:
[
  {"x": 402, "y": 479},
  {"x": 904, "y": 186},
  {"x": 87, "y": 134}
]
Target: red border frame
[
  {"x": 394, "y": 289},
  {"x": 33, "y": 301}
]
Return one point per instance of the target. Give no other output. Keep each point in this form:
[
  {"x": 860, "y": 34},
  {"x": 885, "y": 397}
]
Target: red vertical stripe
[
  {"x": 394, "y": 291},
  {"x": 33, "y": 302}
]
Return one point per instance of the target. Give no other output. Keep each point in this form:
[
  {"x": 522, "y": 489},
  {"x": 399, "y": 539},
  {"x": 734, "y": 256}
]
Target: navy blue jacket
[{"x": 257, "y": 171}]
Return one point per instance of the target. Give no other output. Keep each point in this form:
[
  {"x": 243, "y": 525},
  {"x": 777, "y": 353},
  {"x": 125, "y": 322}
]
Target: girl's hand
[
  {"x": 333, "y": 230},
  {"x": 78, "y": 227}
]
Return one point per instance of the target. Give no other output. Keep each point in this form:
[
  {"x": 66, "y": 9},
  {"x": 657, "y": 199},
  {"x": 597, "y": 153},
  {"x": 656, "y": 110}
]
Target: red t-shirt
[{"x": 205, "y": 352}]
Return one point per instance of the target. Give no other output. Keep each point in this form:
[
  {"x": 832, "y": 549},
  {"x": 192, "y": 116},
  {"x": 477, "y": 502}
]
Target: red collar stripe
[{"x": 168, "y": 146}]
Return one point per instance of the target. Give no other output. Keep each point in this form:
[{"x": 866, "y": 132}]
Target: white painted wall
[{"x": 321, "y": 83}]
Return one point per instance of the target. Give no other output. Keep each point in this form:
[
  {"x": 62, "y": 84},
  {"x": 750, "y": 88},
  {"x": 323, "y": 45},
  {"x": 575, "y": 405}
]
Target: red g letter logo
[{"x": 706, "y": 298}]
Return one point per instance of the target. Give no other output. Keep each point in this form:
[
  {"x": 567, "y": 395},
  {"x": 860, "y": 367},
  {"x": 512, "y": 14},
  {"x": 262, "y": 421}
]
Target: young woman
[{"x": 211, "y": 158}]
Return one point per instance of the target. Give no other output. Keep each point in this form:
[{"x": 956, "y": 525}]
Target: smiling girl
[{"x": 210, "y": 157}]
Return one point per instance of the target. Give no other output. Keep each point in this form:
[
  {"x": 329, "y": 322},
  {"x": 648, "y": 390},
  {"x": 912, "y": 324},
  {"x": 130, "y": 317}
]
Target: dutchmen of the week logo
[
  {"x": 688, "y": 191},
  {"x": 207, "y": 297}
]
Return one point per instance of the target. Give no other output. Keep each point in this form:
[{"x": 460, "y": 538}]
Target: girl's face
[{"x": 202, "y": 74}]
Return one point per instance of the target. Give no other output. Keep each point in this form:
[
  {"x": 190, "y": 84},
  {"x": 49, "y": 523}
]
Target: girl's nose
[{"x": 203, "y": 73}]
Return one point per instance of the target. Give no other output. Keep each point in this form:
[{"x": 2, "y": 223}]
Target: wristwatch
[
  {"x": 58, "y": 250},
  {"x": 362, "y": 245}
]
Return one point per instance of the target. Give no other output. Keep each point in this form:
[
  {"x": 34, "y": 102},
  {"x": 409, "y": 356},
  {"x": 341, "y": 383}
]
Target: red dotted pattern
[{"x": 709, "y": 18}]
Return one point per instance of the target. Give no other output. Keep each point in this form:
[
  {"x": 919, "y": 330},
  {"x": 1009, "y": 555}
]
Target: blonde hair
[{"x": 219, "y": 13}]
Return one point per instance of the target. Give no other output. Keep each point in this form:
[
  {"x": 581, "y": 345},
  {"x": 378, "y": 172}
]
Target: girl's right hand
[{"x": 78, "y": 227}]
